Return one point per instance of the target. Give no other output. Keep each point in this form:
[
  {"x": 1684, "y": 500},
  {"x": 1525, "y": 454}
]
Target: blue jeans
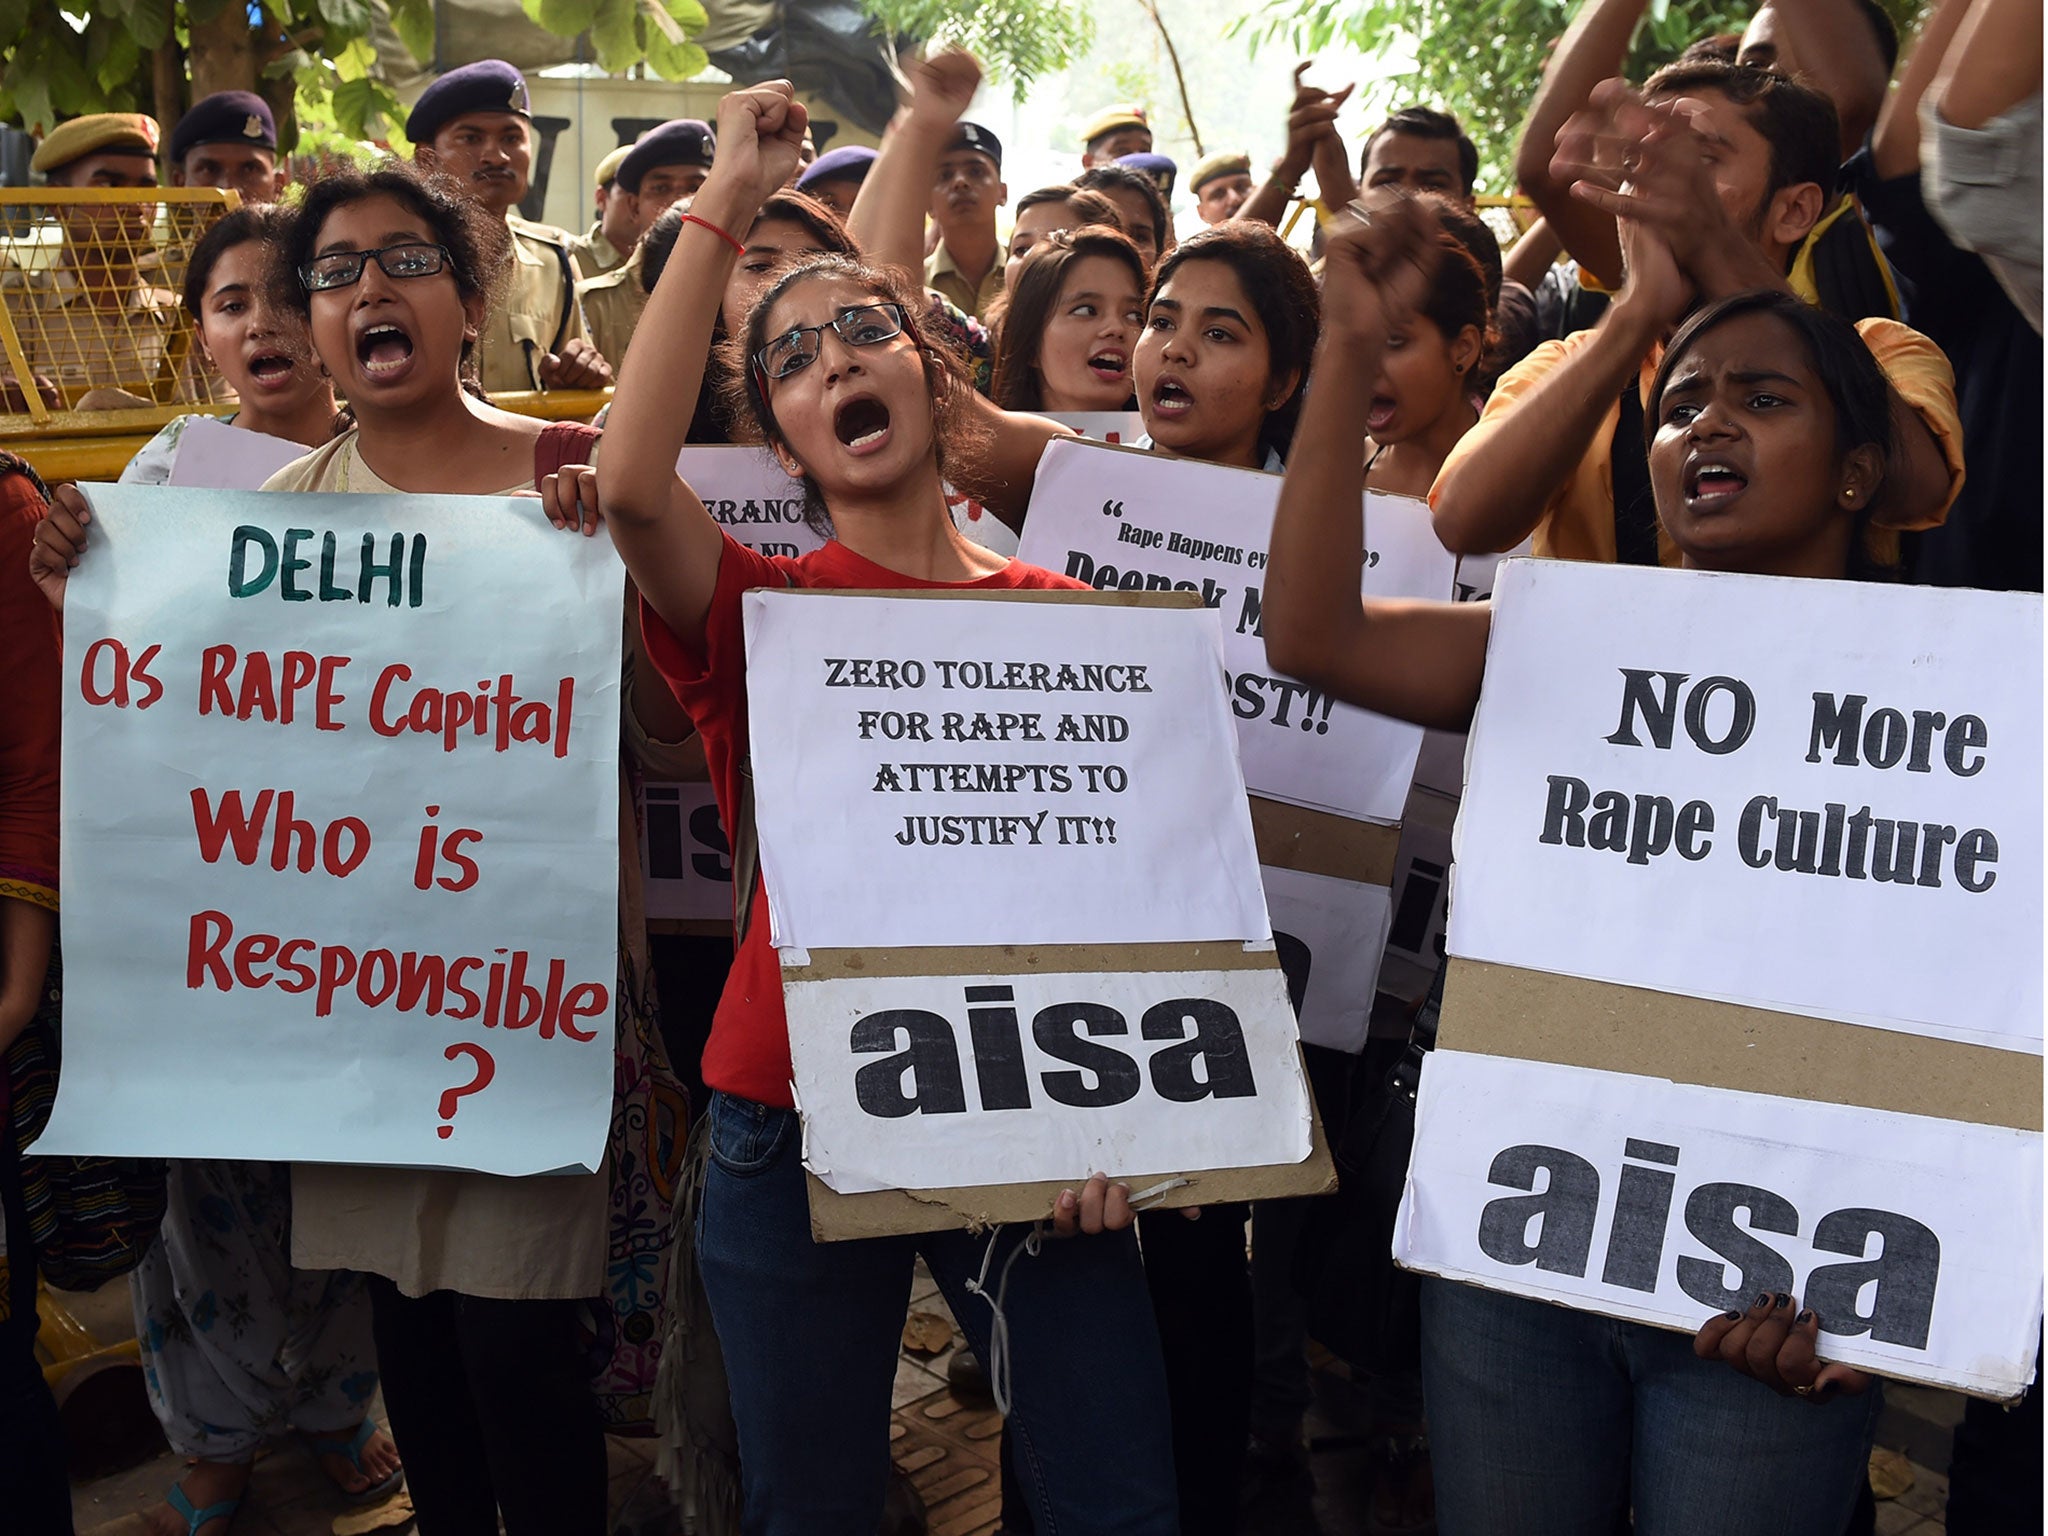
[
  {"x": 810, "y": 1333},
  {"x": 1548, "y": 1422}
]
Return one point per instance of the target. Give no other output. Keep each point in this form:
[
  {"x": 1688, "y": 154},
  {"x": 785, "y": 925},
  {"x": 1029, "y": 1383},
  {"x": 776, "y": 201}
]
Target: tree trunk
[
  {"x": 223, "y": 53},
  {"x": 167, "y": 85}
]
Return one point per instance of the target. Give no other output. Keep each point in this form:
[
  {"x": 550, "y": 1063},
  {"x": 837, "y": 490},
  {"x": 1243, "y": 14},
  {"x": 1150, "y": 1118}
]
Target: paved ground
[{"x": 947, "y": 1449}]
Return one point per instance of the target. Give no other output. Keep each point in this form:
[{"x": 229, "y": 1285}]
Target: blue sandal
[
  {"x": 352, "y": 1448},
  {"x": 196, "y": 1520}
]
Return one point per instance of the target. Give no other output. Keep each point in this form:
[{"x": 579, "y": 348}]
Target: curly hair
[
  {"x": 958, "y": 440},
  {"x": 479, "y": 245},
  {"x": 1017, "y": 385}
]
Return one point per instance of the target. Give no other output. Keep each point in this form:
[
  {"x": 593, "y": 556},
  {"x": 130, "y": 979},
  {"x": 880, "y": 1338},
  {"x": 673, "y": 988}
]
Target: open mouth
[
  {"x": 1109, "y": 365},
  {"x": 1713, "y": 482},
  {"x": 271, "y": 367},
  {"x": 384, "y": 350},
  {"x": 1170, "y": 397},
  {"x": 1379, "y": 413},
  {"x": 862, "y": 424}
]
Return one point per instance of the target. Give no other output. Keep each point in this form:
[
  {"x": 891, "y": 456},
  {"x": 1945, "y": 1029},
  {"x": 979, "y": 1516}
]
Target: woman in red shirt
[{"x": 859, "y": 402}]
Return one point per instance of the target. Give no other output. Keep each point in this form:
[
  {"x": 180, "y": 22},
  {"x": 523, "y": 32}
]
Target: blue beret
[
  {"x": 682, "y": 141},
  {"x": 1161, "y": 169},
  {"x": 849, "y": 162},
  {"x": 488, "y": 85},
  {"x": 973, "y": 136},
  {"x": 225, "y": 117}
]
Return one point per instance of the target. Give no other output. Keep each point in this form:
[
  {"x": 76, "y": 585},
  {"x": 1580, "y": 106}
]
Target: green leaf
[
  {"x": 615, "y": 35},
  {"x": 31, "y": 95},
  {"x": 13, "y": 21},
  {"x": 687, "y": 14},
  {"x": 115, "y": 63},
  {"x": 149, "y": 22},
  {"x": 355, "y": 104},
  {"x": 414, "y": 21},
  {"x": 357, "y": 61},
  {"x": 199, "y": 12},
  {"x": 676, "y": 61},
  {"x": 564, "y": 18},
  {"x": 345, "y": 18}
]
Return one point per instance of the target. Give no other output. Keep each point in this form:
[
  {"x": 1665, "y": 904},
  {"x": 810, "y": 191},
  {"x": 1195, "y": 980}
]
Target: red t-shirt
[{"x": 748, "y": 1053}]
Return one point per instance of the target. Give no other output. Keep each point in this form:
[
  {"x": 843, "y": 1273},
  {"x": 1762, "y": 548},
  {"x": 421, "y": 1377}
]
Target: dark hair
[
  {"x": 1884, "y": 29},
  {"x": 1458, "y": 297},
  {"x": 1088, "y": 207},
  {"x": 1282, "y": 291},
  {"x": 266, "y": 223},
  {"x": 1854, "y": 382},
  {"x": 817, "y": 220},
  {"x": 1798, "y": 122},
  {"x": 1017, "y": 385},
  {"x": 478, "y": 242},
  {"x": 1121, "y": 178},
  {"x": 1427, "y": 123},
  {"x": 1474, "y": 234},
  {"x": 956, "y": 436},
  {"x": 1716, "y": 48}
]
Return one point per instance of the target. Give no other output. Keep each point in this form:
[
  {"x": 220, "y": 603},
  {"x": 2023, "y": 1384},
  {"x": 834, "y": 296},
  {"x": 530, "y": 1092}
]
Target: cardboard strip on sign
[
  {"x": 1502, "y": 1010},
  {"x": 1324, "y": 843},
  {"x": 1023, "y": 959},
  {"x": 890, "y": 1212}
]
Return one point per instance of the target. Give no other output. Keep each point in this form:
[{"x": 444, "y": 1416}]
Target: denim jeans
[
  {"x": 1548, "y": 1422},
  {"x": 810, "y": 1333}
]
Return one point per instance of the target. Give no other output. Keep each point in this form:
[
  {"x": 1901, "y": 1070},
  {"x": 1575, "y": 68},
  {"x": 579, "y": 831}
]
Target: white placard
[
  {"x": 1102, "y": 426},
  {"x": 1329, "y": 934},
  {"x": 213, "y": 454},
  {"x": 1675, "y": 783},
  {"x": 1116, "y": 518},
  {"x": 685, "y": 860},
  {"x": 1666, "y": 1203},
  {"x": 953, "y": 772},
  {"x": 1440, "y": 765},
  {"x": 990, "y": 531},
  {"x": 340, "y": 853},
  {"x": 751, "y": 496},
  {"x": 1421, "y": 891},
  {"x": 934, "y": 1082}
]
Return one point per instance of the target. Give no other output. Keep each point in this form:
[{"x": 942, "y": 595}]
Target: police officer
[
  {"x": 1114, "y": 132},
  {"x": 228, "y": 139},
  {"x": 664, "y": 166},
  {"x": 1222, "y": 184},
  {"x": 605, "y": 245},
  {"x": 475, "y": 124},
  {"x": 97, "y": 333}
]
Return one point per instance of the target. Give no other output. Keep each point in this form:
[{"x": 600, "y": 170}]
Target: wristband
[{"x": 691, "y": 218}]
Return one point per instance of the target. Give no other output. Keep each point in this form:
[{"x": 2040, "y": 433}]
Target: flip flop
[
  {"x": 196, "y": 1520},
  {"x": 352, "y": 1448}
]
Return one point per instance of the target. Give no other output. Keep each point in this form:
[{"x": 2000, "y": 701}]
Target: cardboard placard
[
  {"x": 339, "y": 845},
  {"x": 1706, "y": 1021},
  {"x": 1054, "y": 1029}
]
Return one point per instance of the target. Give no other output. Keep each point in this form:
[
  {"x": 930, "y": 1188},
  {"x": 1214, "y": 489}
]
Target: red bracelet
[{"x": 691, "y": 218}]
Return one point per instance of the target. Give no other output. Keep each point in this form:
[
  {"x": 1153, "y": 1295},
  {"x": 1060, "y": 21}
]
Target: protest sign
[
  {"x": 751, "y": 496},
  {"x": 213, "y": 454},
  {"x": 1128, "y": 521},
  {"x": 684, "y": 856},
  {"x": 1013, "y": 879},
  {"x": 339, "y": 843},
  {"x": 1747, "y": 920},
  {"x": 1330, "y": 935},
  {"x": 990, "y": 531}
]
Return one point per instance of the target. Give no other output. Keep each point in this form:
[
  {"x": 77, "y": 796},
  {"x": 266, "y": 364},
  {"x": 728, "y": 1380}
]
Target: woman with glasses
[{"x": 837, "y": 370}]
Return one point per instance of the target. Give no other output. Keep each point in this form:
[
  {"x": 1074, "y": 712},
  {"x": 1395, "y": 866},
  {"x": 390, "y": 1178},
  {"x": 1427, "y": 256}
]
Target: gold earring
[{"x": 1850, "y": 492}]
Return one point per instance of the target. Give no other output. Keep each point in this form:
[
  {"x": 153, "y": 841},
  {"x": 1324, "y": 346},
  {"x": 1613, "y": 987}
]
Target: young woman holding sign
[
  {"x": 839, "y": 373},
  {"x": 1769, "y": 436},
  {"x": 258, "y": 346}
]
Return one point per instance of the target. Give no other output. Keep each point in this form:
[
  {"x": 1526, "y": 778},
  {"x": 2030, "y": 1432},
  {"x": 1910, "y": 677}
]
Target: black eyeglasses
[
  {"x": 343, "y": 269},
  {"x": 864, "y": 326}
]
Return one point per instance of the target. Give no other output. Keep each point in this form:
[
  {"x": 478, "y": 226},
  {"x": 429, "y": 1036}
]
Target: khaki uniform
[
  {"x": 539, "y": 313},
  {"x": 80, "y": 345},
  {"x": 940, "y": 273},
  {"x": 612, "y": 306},
  {"x": 595, "y": 255}
]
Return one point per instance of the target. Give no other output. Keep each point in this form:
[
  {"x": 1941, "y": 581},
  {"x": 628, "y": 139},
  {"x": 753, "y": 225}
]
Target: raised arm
[
  {"x": 669, "y": 542},
  {"x": 1416, "y": 661},
  {"x": 1530, "y": 257},
  {"x": 1831, "y": 46},
  {"x": 1311, "y": 121},
  {"x": 889, "y": 213},
  {"x": 1593, "y": 49},
  {"x": 1995, "y": 64},
  {"x": 1895, "y": 146}
]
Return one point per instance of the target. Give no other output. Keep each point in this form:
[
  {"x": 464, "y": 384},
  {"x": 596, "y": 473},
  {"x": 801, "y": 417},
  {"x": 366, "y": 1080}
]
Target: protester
[
  {"x": 34, "y": 1490},
  {"x": 835, "y": 177},
  {"x": 1141, "y": 210},
  {"x": 1113, "y": 133},
  {"x": 1221, "y": 184},
  {"x": 473, "y": 123},
  {"x": 228, "y": 140},
  {"x": 258, "y": 347},
  {"x": 1049, "y": 210},
  {"x": 1422, "y": 402},
  {"x": 966, "y": 192},
  {"x": 611, "y": 237},
  {"x": 1845, "y": 49},
  {"x": 1547, "y": 1420},
  {"x": 1556, "y": 453},
  {"x": 1069, "y": 327},
  {"x": 1163, "y": 171}
]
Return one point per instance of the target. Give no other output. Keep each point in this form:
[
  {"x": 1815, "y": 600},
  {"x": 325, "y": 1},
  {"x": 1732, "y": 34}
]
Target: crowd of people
[{"x": 1778, "y": 313}]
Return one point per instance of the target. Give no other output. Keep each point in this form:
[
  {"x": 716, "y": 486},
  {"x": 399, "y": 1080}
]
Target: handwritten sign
[
  {"x": 340, "y": 843},
  {"x": 1127, "y": 521}
]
